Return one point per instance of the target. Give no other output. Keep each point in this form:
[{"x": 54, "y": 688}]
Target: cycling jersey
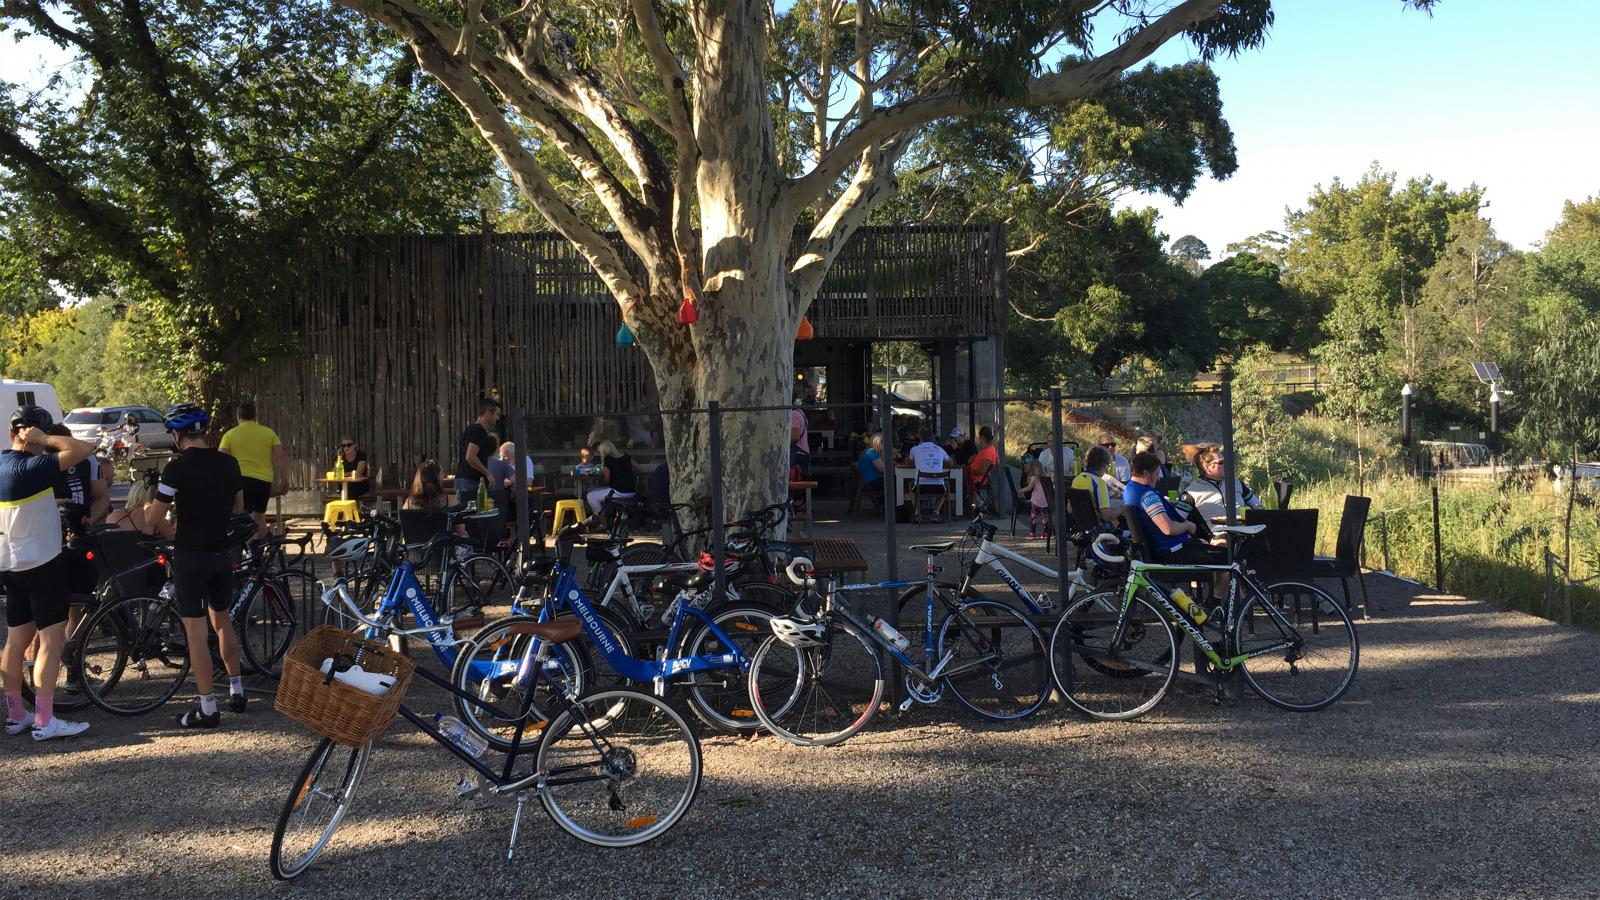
[
  {"x": 30, "y": 528},
  {"x": 201, "y": 483},
  {"x": 1143, "y": 503}
]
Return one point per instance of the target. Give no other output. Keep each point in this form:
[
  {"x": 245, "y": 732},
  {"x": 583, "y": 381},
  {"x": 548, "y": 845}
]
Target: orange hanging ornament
[{"x": 806, "y": 332}]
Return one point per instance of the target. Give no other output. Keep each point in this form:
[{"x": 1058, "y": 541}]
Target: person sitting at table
[
  {"x": 1150, "y": 442},
  {"x": 508, "y": 452},
  {"x": 799, "y": 446},
  {"x": 502, "y": 478},
  {"x": 870, "y": 465},
  {"x": 983, "y": 464},
  {"x": 618, "y": 475},
  {"x": 961, "y": 448},
  {"x": 355, "y": 466},
  {"x": 1207, "y": 489},
  {"x": 1171, "y": 538},
  {"x": 931, "y": 462},
  {"x": 1092, "y": 479},
  {"x": 131, "y": 516},
  {"x": 427, "y": 488},
  {"x": 1119, "y": 468}
]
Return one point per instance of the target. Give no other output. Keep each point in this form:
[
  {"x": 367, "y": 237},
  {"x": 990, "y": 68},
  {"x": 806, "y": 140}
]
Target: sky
[
  {"x": 1502, "y": 94},
  {"x": 1506, "y": 95}
]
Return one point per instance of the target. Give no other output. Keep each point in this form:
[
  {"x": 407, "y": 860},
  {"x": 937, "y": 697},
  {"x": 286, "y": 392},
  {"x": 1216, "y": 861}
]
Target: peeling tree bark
[{"x": 725, "y": 166}]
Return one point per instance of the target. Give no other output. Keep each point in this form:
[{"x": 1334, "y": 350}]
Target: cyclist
[
  {"x": 32, "y": 568},
  {"x": 205, "y": 488},
  {"x": 262, "y": 461},
  {"x": 1209, "y": 490},
  {"x": 1170, "y": 537},
  {"x": 1092, "y": 479}
]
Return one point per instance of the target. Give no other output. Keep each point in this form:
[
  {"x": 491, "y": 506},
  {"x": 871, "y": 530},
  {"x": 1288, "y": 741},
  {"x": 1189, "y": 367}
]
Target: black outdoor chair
[
  {"x": 1346, "y": 561},
  {"x": 1286, "y": 550},
  {"x": 1083, "y": 521}
]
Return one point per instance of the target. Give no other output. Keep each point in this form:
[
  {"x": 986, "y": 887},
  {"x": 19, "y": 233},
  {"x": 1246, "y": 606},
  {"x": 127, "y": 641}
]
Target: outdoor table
[
  {"x": 904, "y": 474},
  {"x": 808, "y": 487},
  {"x": 393, "y": 496},
  {"x": 344, "y": 484},
  {"x": 833, "y": 555}
]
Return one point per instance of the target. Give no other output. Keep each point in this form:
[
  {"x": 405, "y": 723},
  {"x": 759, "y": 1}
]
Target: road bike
[
  {"x": 613, "y": 768},
  {"x": 704, "y": 648},
  {"x": 1114, "y": 654},
  {"x": 821, "y": 676}
]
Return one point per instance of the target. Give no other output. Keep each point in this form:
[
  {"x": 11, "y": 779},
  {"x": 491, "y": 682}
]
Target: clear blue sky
[{"x": 1504, "y": 94}]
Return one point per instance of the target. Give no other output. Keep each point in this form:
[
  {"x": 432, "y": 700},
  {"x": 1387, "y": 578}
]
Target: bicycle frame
[
  {"x": 934, "y": 670},
  {"x": 990, "y": 554},
  {"x": 1139, "y": 577}
]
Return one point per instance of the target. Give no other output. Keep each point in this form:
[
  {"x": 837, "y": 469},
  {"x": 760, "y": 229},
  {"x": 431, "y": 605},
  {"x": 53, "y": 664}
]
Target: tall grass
[{"x": 1493, "y": 538}]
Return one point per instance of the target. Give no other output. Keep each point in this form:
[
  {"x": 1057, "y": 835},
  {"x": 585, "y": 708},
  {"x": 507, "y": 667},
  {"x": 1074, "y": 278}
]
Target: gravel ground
[{"x": 1459, "y": 765}]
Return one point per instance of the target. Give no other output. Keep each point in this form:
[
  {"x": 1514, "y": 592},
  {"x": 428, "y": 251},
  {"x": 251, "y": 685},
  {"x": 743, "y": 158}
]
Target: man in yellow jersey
[
  {"x": 1092, "y": 479},
  {"x": 262, "y": 461}
]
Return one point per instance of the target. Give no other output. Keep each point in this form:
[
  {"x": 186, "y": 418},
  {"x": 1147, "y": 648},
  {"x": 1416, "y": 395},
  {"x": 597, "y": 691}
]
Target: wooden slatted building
[{"x": 396, "y": 337}]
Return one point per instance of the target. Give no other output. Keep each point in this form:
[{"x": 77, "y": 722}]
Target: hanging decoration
[
  {"x": 806, "y": 332},
  {"x": 625, "y": 336},
  {"x": 689, "y": 311}
]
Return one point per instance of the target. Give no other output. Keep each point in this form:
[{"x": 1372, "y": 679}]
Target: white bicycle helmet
[
  {"x": 349, "y": 551},
  {"x": 798, "y": 632}
]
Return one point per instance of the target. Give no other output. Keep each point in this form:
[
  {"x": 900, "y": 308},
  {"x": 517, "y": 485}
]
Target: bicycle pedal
[
  {"x": 905, "y": 704},
  {"x": 467, "y": 788}
]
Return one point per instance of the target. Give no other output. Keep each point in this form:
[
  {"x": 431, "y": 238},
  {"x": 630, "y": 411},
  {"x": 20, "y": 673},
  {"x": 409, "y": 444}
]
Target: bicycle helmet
[
  {"x": 35, "y": 416},
  {"x": 188, "y": 419},
  {"x": 353, "y": 549},
  {"x": 799, "y": 632}
]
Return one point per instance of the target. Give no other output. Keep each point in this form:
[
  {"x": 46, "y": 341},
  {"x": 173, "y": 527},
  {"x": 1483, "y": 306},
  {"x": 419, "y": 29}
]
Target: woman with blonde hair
[
  {"x": 131, "y": 517},
  {"x": 618, "y": 475}
]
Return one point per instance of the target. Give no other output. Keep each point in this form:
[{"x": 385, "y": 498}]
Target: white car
[{"x": 86, "y": 423}]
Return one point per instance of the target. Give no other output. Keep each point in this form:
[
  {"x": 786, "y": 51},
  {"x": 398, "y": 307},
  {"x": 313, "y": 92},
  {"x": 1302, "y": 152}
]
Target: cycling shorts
[
  {"x": 201, "y": 580},
  {"x": 256, "y": 494},
  {"x": 37, "y": 596}
]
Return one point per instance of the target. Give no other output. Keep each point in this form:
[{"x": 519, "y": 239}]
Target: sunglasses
[
  {"x": 1109, "y": 446},
  {"x": 351, "y": 444}
]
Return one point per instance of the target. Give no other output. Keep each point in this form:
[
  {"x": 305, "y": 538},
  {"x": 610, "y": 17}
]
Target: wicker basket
[{"x": 333, "y": 709}]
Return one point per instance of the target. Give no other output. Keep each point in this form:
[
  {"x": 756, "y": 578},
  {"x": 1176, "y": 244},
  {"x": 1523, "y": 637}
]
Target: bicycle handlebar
[
  {"x": 800, "y": 571},
  {"x": 337, "y": 592},
  {"x": 1100, "y": 541}
]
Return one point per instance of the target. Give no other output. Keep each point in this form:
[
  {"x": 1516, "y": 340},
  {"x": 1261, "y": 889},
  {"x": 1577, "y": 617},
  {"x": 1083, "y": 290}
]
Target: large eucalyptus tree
[{"x": 705, "y": 131}]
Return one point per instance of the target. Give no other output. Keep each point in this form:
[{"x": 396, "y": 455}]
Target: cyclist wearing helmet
[
  {"x": 31, "y": 568},
  {"x": 205, "y": 487}
]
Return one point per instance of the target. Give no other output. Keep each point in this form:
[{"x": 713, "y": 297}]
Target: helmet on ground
[
  {"x": 188, "y": 419},
  {"x": 31, "y": 416},
  {"x": 799, "y": 632}
]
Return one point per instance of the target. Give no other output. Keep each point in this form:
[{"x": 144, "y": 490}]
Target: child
[{"x": 1039, "y": 499}]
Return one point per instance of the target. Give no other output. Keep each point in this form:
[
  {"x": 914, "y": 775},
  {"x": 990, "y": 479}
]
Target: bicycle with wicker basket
[{"x": 614, "y": 767}]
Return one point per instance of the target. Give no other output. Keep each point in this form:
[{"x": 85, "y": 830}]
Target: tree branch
[
  {"x": 34, "y": 14},
  {"x": 1071, "y": 84},
  {"x": 873, "y": 183},
  {"x": 675, "y": 81},
  {"x": 103, "y": 221}
]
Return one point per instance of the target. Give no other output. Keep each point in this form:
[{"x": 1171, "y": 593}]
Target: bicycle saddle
[
  {"x": 557, "y": 632},
  {"x": 1245, "y": 530},
  {"x": 933, "y": 549}
]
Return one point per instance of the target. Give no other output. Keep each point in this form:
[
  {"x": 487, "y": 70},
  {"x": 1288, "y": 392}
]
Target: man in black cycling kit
[{"x": 205, "y": 486}]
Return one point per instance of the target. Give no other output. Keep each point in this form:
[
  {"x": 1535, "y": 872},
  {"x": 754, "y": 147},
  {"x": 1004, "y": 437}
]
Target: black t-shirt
[
  {"x": 202, "y": 483},
  {"x": 73, "y": 487},
  {"x": 622, "y": 478},
  {"x": 475, "y": 434},
  {"x": 963, "y": 452},
  {"x": 358, "y": 489}
]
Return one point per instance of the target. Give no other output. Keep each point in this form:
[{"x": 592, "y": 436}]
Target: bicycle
[
  {"x": 1128, "y": 645},
  {"x": 986, "y": 654},
  {"x": 709, "y": 646},
  {"x": 614, "y": 768}
]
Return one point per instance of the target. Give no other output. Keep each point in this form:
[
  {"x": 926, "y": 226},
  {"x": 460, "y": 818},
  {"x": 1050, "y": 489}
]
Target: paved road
[{"x": 1460, "y": 765}]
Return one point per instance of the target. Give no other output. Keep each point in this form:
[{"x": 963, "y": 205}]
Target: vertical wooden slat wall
[{"x": 399, "y": 336}]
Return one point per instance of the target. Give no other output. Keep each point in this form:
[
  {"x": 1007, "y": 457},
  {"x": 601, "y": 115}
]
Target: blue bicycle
[
  {"x": 614, "y": 768},
  {"x": 704, "y": 650}
]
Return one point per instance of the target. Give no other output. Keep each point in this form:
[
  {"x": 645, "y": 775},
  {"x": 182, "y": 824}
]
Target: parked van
[{"x": 28, "y": 393}]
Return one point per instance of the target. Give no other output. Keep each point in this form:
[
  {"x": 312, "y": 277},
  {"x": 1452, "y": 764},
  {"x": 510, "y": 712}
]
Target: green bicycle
[{"x": 1114, "y": 655}]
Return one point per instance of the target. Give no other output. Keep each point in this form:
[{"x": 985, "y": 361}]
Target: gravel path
[{"x": 1459, "y": 765}]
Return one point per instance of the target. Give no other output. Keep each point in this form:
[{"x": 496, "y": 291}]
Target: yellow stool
[
  {"x": 563, "y": 507},
  {"x": 341, "y": 511}
]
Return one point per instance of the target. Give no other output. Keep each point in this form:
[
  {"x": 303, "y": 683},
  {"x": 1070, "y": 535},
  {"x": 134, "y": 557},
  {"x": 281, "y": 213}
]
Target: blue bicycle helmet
[{"x": 188, "y": 419}]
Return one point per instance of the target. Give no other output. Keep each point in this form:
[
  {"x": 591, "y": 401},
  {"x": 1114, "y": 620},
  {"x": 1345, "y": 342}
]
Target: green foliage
[
  {"x": 1190, "y": 251},
  {"x": 86, "y": 351},
  {"x": 1249, "y": 305},
  {"x": 1262, "y": 428},
  {"x": 195, "y": 152},
  {"x": 1467, "y": 312},
  {"x": 1579, "y": 225}
]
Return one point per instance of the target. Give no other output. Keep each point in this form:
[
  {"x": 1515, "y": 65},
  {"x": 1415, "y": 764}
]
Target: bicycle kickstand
[{"x": 516, "y": 825}]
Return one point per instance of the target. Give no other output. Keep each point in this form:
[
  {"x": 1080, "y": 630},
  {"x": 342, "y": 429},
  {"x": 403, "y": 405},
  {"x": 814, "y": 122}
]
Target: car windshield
[{"x": 90, "y": 418}]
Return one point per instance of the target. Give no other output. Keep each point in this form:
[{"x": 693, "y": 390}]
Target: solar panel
[{"x": 1487, "y": 372}]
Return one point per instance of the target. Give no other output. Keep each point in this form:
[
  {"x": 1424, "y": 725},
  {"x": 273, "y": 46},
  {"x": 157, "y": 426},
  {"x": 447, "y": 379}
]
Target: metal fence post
[
  {"x": 891, "y": 492},
  {"x": 1230, "y": 472},
  {"x": 1058, "y": 494},
  {"x": 1383, "y": 535},
  {"x": 1438, "y": 554},
  {"x": 1549, "y": 586},
  {"x": 714, "y": 472},
  {"x": 519, "y": 435}
]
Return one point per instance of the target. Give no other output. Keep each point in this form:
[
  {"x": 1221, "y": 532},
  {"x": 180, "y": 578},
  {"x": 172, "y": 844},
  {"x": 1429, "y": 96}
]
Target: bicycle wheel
[
  {"x": 626, "y": 783},
  {"x": 265, "y": 624},
  {"x": 490, "y": 668},
  {"x": 721, "y": 697},
  {"x": 911, "y": 610},
  {"x": 1110, "y": 678},
  {"x": 1302, "y": 646},
  {"x": 819, "y": 696},
  {"x": 1010, "y": 674},
  {"x": 317, "y": 803},
  {"x": 149, "y": 659},
  {"x": 480, "y": 582}
]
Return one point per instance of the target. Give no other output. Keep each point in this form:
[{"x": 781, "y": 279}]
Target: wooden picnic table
[
  {"x": 344, "y": 484},
  {"x": 833, "y": 555}
]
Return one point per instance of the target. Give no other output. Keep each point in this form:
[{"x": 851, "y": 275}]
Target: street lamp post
[
  {"x": 1494, "y": 420},
  {"x": 1405, "y": 424}
]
